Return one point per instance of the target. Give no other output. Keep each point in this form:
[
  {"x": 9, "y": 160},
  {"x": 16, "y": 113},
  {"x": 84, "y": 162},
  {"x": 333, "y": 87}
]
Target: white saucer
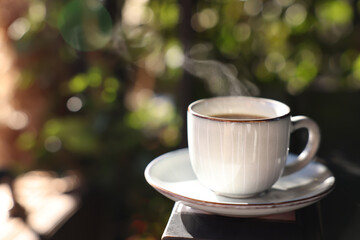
[{"x": 171, "y": 174}]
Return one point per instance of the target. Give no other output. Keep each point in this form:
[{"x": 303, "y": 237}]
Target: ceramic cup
[{"x": 244, "y": 157}]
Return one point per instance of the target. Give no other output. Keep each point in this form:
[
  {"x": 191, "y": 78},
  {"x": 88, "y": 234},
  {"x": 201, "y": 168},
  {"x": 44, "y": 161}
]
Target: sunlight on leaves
[
  {"x": 338, "y": 12},
  {"x": 78, "y": 84}
]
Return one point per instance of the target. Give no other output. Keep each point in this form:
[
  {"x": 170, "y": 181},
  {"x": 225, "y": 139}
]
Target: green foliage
[
  {"x": 85, "y": 25},
  {"x": 335, "y": 12}
]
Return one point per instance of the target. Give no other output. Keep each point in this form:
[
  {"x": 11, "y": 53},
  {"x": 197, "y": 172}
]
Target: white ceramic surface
[
  {"x": 171, "y": 174},
  {"x": 241, "y": 158}
]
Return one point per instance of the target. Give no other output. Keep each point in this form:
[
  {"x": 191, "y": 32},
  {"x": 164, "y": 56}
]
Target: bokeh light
[
  {"x": 19, "y": 28},
  {"x": 74, "y": 104},
  {"x": 85, "y": 25},
  {"x": 136, "y": 12},
  {"x": 205, "y": 19},
  {"x": 52, "y": 144},
  {"x": 37, "y": 11},
  {"x": 275, "y": 62},
  {"x": 242, "y": 32},
  {"x": 174, "y": 57},
  {"x": 334, "y": 12},
  {"x": 253, "y": 7},
  {"x": 155, "y": 64},
  {"x": 17, "y": 120},
  {"x": 78, "y": 84},
  {"x": 271, "y": 11},
  {"x": 295, "y": 14}
]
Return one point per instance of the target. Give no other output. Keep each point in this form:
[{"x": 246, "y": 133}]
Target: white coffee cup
[{"x": 244, "y": 157}]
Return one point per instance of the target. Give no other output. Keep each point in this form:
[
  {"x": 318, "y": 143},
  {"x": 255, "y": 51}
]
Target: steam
[{"x": 220, "y": 78}]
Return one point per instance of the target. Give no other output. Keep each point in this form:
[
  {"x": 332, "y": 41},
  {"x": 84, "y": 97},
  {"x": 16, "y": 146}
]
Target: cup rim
[{"x": 191, "y": 111}]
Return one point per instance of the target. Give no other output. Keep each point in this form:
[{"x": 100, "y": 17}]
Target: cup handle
[{"x": 311, "y": 147}]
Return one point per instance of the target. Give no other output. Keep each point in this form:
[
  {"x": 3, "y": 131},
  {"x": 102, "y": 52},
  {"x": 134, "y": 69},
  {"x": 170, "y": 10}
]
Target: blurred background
[{"x": 93, "y": 90}]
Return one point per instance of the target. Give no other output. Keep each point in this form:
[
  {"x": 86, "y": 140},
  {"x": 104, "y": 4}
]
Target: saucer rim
[
  {"x": 287, "y": 203},
  {"x": 178, "y": 197}
]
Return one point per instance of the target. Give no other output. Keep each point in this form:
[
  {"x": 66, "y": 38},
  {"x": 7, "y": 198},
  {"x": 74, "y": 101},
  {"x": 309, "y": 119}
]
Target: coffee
[{"x": 238, "y": 116}]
